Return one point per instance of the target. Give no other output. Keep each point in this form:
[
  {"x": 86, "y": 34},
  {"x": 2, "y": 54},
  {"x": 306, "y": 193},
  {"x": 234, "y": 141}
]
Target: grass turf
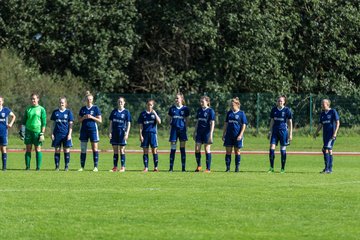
[{"x": 252, "y": 204}]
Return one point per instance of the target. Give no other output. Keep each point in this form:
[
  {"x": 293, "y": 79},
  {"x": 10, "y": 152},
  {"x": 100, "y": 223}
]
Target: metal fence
[{"x": 305, "y": 107}]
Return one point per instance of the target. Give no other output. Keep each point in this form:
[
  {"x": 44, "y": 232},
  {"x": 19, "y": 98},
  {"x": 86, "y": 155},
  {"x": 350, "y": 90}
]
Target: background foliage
[{"x": 192, "y": 46}]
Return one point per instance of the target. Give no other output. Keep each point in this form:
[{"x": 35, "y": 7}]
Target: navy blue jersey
[
  {"x": 4, "y": 117},
  {"x": 235, "y": 121},
  {"x": 280, "y": 117},
  {"x": 62, "y": 121},
  {"x": 204, "y": 117},
  {"x": 148, "y": 120},
  {"x": 328, "y": 120},
  {"x": 178, "y": 116},
  {"x": 120, "y": 119},
  {"x": 89, "y": 124}
]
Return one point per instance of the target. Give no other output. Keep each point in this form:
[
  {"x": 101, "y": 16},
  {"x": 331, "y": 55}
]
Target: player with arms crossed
[
  {"x": 89, "y": 117},
  {"x": 203, "y": 133},
  {"x": 178, "y": 120},
  {"x": 280, "y": 131},
  {"x": 63, "y": 121},
  {"x": 34, "y": 124},
  {"x": 330, "y": 122},
  {"x": 120, "y": 122},
  {"x": 148, "y": 121},
  {"x": 233, "y": 133},
  {"x": 4, "y": 125}
]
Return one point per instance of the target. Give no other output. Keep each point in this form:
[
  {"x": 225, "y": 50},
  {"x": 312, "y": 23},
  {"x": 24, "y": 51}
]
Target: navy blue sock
[
  {"x": 172, "y": 158},
  {"x": 183, "y": 157},
  {"x": 146, "y": 160},
  {"x": 272, "y": 157},
  {"x": 198, "y": 158},
  {"x": 227, "y": 161},
  {"x": 4, "y": 160},
  {"x": 237, "y": 161},
  {"x": 156, "y": 159},
  {"x": 57, "y": 159},
  {"x": 115, "y": 159},
  {"x": 96, "y": 158},
  {"x": 67, "y": 159},
  {"x": 82, "y": 159},
  {"x": 283, "y": 158},
  {"x": 327, "y": 161},
  {"x": 208, "y": 161},
  {"x": 123, "y": 160},
  {"x": 330, "y": 162}
]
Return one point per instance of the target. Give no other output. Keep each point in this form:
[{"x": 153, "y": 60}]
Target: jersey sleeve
[
  {"x": 71, "y": 116},
  {"x": 170, "y": 112},
  {"x": 336, "y": 115},
  {"x": 111, "y": 116},
  {"x": 140, "y": 119},
  {"x": 244, "y": 119},
  {"x": 186, "y": 112},
  {"x": 212, "y": 115},
  {"x": 81, "y": 112},
  {"x": 98, "y": 112},
  {"x": 43, "y": 117},
  {"x": 290, "y": 115},
  {"x": 129, "y": 116}
]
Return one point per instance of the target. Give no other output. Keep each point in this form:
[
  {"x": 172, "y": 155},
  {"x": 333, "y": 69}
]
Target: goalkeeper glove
[
  {"x": 22, "y": 132},
  {"x": 41, "y": 137}
]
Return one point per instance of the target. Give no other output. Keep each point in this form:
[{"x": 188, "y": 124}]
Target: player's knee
[
  {"x": 283, "y": 148},
  {"x": 173, "y": 146},
  {"x": 83, "y": 147}
]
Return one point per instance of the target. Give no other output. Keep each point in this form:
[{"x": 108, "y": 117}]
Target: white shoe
[
  {"x": 80, "y": 170},
  {"x": 122, "y": 169},
  {"x": 95, "y": 169}
]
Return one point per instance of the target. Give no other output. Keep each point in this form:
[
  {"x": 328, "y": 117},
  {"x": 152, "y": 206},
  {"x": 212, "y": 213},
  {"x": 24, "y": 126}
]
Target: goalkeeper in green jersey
[{"x": 34, "y": 124}]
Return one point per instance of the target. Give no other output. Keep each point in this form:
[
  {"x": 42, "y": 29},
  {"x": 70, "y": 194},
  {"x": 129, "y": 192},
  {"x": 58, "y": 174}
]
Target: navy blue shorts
[
  {"x": 118, "y": 138},
  {"x": 149, "y": 139},
  {"x": 328, "y": 143},
  {"x": 4, "y": 140},
  {"x": 93, "y": 135},
  {"x": 61, "y": 140},
  {"x": 177, "y": 134},
  {"x": 202, "y": 137},
  {"x": 233, "y": 142},
  {"x": 280, "y": 136}
]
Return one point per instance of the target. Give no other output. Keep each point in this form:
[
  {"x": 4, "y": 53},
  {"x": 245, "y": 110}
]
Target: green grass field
[{"x": 252, "y": 204}]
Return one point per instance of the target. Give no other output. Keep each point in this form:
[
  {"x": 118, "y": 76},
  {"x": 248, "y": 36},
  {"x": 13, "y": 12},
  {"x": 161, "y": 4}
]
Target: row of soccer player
[{"x": 34, "y": 125}]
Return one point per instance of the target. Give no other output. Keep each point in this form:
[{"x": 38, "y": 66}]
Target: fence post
[
  {"x": 311, "y": 113},
  {"x": 257, "y": 112}
]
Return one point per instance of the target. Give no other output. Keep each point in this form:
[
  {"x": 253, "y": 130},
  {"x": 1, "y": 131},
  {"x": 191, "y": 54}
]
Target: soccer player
[
  {"x": 280, "y": 131},
  {"x": 120, "y": 122},
  {"x": 178, "y": 120},
  {"x": 330, "y": 122},
  {"x": 203, "y": 133},
  {"x": 148, "y": 121},
  {"x": 89, "y": 117},
  {"x": 233, "y": 133},
  {"x": 63, "y": 121},
  {"x": 4, "y": 125},
  {"x": 34, "y": 124}
]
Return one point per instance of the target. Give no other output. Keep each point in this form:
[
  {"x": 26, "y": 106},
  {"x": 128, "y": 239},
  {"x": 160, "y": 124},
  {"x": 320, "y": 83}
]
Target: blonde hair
[
  {"x": 327, "y": 100},
  {"x": 236, "y": 100},
  {"x": 182, "y": 97}
]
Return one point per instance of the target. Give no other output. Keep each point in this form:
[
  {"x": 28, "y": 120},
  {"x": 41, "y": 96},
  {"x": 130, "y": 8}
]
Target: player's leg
[
  {"x": 83, "y": 148},
  {"x": 146, "y": 159},
  {"x": 156, "y": 158},
  {"x": 94, "y": 147},
  {"x": 237, "y": 158},
  {"x": 228, "y": 157},
  {"x": 330, "y": 147},
  {"x": 172, "y": 140},
  {"x": 208, "y": 157},
  {"x": 3, "y": 156},
  {"x": 57, "y": 157},
  {"x": 67, "y": 144},
  {"x": 38, "y": 157},
  {"x": 183, "y": 138},
  {"x": 122, "y": 158},
  {"x": 283, "y": 143},
  {"x": 28, "y": 140},
  {"x": 115, "y": 158},
  {"x": 273, "y": 142},
  {"x": 198, "y": 156}
]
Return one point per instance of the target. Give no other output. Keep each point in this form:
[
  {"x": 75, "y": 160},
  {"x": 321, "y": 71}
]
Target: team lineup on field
[{"x": 34, "y": 124}]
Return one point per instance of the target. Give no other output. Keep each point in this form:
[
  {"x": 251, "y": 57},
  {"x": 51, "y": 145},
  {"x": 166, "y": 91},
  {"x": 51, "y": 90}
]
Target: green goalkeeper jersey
[{"x": 35, "y": 118}]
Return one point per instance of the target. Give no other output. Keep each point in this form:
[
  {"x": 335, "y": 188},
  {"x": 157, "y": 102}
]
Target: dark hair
[
  {"x": 285, "y": 99},
  {"x": 207, "y": 99}
]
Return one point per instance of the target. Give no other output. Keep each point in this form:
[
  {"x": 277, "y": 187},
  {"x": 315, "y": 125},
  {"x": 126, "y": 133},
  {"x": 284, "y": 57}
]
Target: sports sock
[
  {"x": 96, "y": 158},
  {"x": 283, "y": 158},
  {"x": 4, "y": 160},
  {"x": 146, "y": 160},
  {"x": 82, "y": 159},
  {"x": 330, "y": 162},
  {"x": 27, "y": 159},
  {"x": 38, "y": 160},
  {"x": 272, "y": 157},
  {"x": 116, "y": 159},
  {"x": 237, "y": 161},
  {"x": 172, "y": 158},
  {"x": 327, "y": 161},
  {"x": 156, "y": 160},
  {"x": 67, "y": 159},
  {"x": 57, "y": 159},
  {"x": 123, "y": 160},
  {"x": 198, "y": 158},
  {"x": 228, "y": 161},
  {"x": 183, "y": 157},
  {"x": 208, "y": 161}
]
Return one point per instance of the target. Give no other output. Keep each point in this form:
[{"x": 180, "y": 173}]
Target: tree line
[{"x": 193, "y": 46}]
